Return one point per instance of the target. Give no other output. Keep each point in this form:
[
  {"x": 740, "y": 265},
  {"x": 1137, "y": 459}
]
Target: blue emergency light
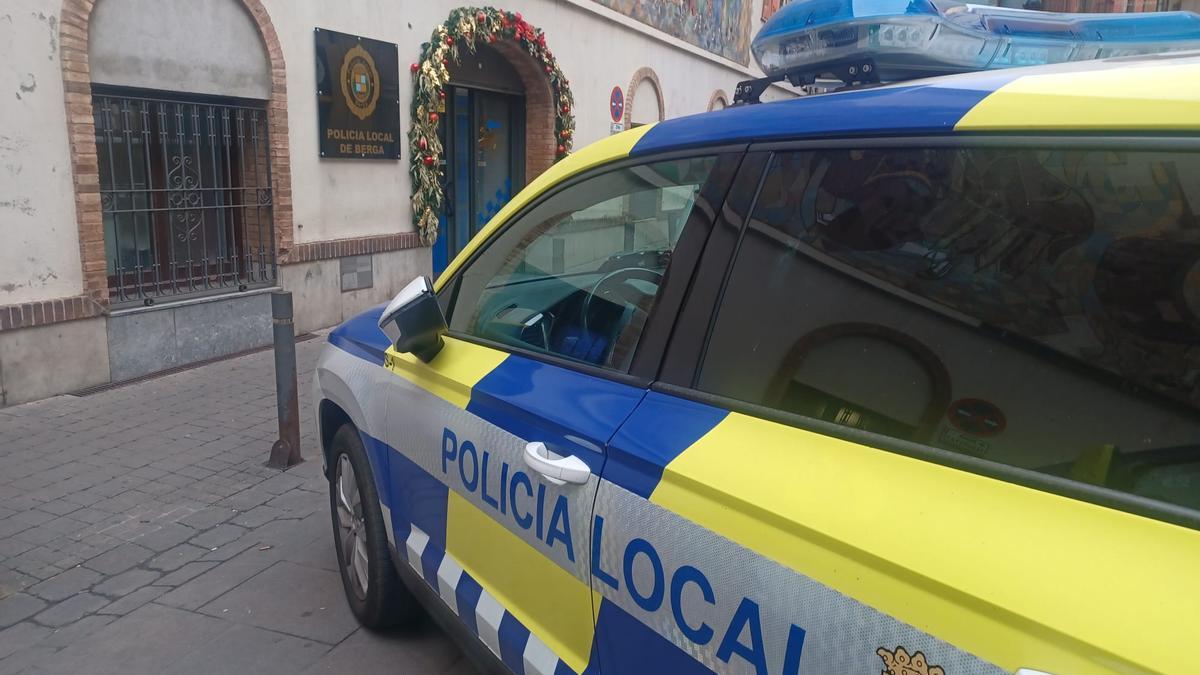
[{"x": 859, "y": 41}]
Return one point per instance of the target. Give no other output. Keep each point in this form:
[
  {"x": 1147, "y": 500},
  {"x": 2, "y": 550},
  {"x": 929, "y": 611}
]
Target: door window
[
  {"x": 1035, "y": 307},
  {"x": 578, "y": 275}
]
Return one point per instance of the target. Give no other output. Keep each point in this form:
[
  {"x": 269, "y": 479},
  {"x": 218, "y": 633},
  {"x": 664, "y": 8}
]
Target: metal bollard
[{"x": 285, "y": 453}]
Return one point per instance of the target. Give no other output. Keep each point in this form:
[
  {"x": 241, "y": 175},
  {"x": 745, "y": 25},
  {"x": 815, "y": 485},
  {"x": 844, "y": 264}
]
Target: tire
[{"x": 374, "y": 591}]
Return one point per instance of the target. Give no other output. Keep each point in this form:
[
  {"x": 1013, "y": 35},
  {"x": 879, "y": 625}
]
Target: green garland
[{"x": 465, "y": 27}]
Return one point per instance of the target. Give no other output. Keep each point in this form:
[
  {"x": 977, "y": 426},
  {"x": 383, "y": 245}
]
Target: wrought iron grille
[{"x": 185, "y": 191}]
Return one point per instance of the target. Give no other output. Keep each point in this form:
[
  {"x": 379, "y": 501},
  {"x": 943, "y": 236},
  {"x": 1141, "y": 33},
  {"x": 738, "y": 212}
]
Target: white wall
[
  {"x": 197, "y": 46},
  {"x": 596, "y": 48},
  {"x": 39, "y": 240}
]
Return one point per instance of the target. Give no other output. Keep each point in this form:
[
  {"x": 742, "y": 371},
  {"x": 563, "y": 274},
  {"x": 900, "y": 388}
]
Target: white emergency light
[{"x": 892, "y": 40}]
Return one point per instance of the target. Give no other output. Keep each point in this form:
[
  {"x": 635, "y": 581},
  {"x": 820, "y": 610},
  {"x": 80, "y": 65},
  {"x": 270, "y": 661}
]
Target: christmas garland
[{"x": 465, "y": 27}]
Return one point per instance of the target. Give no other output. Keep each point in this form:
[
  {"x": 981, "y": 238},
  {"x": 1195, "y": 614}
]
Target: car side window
[
  {"x": 578, "y": 275},
  {"x": 1035, "y": 307}
]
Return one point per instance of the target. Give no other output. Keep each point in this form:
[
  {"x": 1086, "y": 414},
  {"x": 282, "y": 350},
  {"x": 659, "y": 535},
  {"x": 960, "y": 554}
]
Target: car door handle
[{"x": 556, "y": 469}]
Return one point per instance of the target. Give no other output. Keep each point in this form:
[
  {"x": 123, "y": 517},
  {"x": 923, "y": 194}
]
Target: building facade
[{"x": 165, "y": 164}]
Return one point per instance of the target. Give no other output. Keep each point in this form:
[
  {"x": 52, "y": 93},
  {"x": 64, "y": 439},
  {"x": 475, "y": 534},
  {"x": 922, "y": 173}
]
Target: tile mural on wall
[{"x": 719, "y": 26}]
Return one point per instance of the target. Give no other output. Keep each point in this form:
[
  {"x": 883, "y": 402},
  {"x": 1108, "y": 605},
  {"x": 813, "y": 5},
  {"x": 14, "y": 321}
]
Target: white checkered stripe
[{"x": 526, "y": 652}]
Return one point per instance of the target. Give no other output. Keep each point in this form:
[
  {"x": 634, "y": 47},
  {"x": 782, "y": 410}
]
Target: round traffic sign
[{"x": 616, "y": 104}]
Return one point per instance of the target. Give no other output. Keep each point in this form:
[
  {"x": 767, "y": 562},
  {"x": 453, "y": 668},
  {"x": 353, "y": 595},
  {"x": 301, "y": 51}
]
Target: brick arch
[
  {"x": 74, "y": 24},
  {"x": 540, "y": 140},
  {"x": 644, "y": 73},
  {"x": 718, "y": 95}
]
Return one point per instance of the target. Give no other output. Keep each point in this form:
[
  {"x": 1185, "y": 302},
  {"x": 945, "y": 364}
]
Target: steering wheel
[{"x": 613, "y": 288}]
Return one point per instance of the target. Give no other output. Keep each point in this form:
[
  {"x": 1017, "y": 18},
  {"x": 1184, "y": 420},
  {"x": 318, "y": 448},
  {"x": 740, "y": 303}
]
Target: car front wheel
[{"x": 373, "y": 589}]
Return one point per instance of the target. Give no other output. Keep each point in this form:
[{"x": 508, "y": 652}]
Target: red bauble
[
  {"x": 548, "y": 70},
  {"x": 566, "y": 109},
  {"x": 449, "y": 41},
  {"x": 414, "y": 68},
  {"x": 445, "y": 62},
  {"x": 491, "y": 37},
  {"x": 428, "y": 160},
  {"x": 442, "y": 94},
  {"x": 481, "y": 17},
  {"x": 433, "y": 117},
  {"x": 562, "y": 149},
  {"x": 422, "y": 143}
]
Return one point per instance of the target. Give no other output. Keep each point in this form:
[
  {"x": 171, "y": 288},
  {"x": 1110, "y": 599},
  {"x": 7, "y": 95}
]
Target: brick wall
[{"x": 540, "y": 142}]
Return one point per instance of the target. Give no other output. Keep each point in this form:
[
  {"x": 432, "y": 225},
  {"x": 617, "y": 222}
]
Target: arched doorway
[
  {"x": 491, "y": 110},
  {"x": 482, "y": 130}
]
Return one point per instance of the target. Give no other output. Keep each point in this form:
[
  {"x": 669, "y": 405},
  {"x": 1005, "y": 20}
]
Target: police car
[{"x": 898, "y": 379}]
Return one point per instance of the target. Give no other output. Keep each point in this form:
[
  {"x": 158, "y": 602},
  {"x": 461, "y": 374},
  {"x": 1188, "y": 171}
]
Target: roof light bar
[{"x": 892, "y": 40}]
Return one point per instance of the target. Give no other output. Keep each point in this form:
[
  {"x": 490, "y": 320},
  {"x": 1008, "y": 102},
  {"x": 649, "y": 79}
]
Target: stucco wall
[
  {"x": 351, "y": 198},
  {"x": 333, "y": 199},
  {"x": 39, "y": 243},
  {"x": 198, "y": 46}
]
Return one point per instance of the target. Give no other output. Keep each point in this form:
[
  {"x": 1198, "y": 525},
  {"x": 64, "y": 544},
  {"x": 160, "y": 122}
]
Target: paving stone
[
  {"x": 63, "y": 586},
  {"x": 59, "y": 507},
  {"x": 148, "y": 640},
  {"x": 220, "y": 579},
  {"x": 257, "y": 516},
  {"x": 70, "y": 610},
  {"x": 32, "y": 517},
  {"x": 26, "y": 659},
  {"x": 120, "y": 559},
  {"x": 12, "y": 581},
  {"x": 21, "y": 636},
  {"x": 126, "y": 582},
  {"x": 221, "y": 534},
  {"x": 134, "y": 600},
  {"x": 9, "y": 527},
  {"x": 248, "y": 649},
  {"x": 247, "y": 499},
  {"x": 186, "y": 573},
  {"x": 297, "y": 503},
  {"x": 62, "y": 637},
  {"x": 11, "y": 546},
  {"x": 208, "y": 517},
  {"x": 18, "y": 607},
  {"x": 281, "y": 483},
  {"x": 422, "y": 649},
  {"x": 319, "y": 613},
  {"x": 166, "y": 536}
]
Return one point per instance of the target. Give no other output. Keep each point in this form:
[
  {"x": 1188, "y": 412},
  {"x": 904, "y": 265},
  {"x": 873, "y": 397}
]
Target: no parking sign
[{"x": 616, "y": 105}]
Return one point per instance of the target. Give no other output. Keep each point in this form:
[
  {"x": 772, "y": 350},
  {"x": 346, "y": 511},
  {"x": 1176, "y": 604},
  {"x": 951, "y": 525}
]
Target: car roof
[{"x": 1134, "y": 94}]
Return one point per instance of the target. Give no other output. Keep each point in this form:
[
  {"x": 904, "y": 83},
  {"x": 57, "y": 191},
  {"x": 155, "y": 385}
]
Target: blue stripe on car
[{"x": 926, "y": 108}]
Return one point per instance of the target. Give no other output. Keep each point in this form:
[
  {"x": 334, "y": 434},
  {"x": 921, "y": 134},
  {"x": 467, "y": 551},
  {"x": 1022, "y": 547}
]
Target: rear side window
[{"x": 1034, "y": 307}]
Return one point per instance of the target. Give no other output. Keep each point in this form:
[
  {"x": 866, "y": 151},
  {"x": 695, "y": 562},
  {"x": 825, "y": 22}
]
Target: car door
[
  {"x": 497, "y": 444},
  {"x": 910, "y": 430}
]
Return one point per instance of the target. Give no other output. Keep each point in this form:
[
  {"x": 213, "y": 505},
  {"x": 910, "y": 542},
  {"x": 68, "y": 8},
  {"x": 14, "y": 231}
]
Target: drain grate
[{"x": 179, "y": 369}]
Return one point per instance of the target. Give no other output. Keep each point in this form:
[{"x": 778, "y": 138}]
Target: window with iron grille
[{"x": 185, "y": 190}]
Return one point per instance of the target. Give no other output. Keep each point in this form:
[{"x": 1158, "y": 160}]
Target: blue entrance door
[{"x": 483, "y": 133}]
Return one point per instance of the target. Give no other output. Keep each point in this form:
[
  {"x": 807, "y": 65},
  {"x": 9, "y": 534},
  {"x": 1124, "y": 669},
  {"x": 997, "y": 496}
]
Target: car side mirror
[{"x": 413, "y": 320}]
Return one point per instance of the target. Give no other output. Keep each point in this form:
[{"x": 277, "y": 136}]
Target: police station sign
[{"x": 358, "y": 92}]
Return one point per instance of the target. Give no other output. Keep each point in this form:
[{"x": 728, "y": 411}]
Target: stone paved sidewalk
[{"x": 141, "y": 533}]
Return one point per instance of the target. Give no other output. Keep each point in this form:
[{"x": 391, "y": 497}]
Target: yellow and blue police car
[{"x": 899, "y": 379}]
